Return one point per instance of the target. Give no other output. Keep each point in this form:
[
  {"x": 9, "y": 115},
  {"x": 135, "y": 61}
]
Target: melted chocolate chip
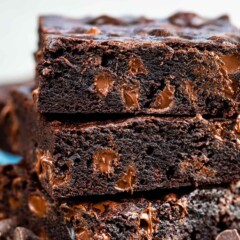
[
  {"x": 103, "y": 206},
  {"x": 232, "y": 63},
  {"x": 128, "y": 180},
  {"x": 165, "y": 99},
  {"x": 104, "y": 160},
  {"x": 44, "y": 159},
  {"x": 136, "y": 66},
  {"x": 37, "y": 205},
  {"x": 103, "y": 83},
  {"x": 130, "y": 96},
  {"x": 148, "y": 222}
]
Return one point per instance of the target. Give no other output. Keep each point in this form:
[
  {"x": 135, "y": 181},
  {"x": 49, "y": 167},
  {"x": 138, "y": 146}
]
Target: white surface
[{"x": 18, "y": 22}]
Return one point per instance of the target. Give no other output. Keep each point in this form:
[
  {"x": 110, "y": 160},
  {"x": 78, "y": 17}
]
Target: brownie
[
  {"x": 198, "y": 214},
  {"x": 182, "y": 214},
  {"x": 130, "y": 155},
  {"x": 16, "y": 210},
  {"x": 182, "y": 65},
  {"x": 7, "y": 122},
  {"x": 4, "y": 120},
  {"x": 13, "y": 182}
]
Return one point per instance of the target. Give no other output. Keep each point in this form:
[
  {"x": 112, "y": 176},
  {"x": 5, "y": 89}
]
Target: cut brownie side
[
  {"x": 179, "y": 66},
  {"x": 132, "y": 155}
]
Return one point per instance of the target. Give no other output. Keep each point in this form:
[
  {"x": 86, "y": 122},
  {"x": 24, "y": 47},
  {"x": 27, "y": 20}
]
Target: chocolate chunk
[
  {"x": 7, "y": 225},
  {"x": 228, "y": 235}
]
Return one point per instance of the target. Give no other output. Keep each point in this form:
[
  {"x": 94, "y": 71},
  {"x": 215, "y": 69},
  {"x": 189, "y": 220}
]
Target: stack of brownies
[{"x": 130, "y": 131}]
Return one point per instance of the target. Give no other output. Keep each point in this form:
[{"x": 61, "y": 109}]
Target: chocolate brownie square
[
  {"x": 73, "y": 158},
  {"x": 182, "y": 65},
  {"x": 198, "y": 214},
  {"x": 181, "y": 214}
]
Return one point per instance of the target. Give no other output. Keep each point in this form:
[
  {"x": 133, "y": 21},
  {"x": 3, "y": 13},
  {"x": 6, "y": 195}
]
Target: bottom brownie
[
  {"x": 201, "y": 214},
  {"x": 198, "y": 214}
]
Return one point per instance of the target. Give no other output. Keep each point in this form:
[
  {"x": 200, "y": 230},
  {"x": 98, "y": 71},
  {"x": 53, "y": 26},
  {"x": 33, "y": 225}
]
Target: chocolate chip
[
  {"x": 130, "y": 95},
  {"x": 103, "y": 83},
  {"x": 37, "y": 205}
]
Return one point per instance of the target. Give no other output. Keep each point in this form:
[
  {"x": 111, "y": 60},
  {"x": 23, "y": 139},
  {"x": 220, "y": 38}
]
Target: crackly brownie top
[{"x": 180, "y": 26}]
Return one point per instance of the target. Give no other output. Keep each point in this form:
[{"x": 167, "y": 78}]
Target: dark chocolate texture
[
  {"x": 183, "y": 65},
  {"x": 131, "y": 155}
]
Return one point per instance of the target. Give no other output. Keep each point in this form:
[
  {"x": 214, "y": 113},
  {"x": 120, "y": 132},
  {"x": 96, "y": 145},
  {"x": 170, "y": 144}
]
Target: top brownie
[{"x": 182, "y": 65}]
